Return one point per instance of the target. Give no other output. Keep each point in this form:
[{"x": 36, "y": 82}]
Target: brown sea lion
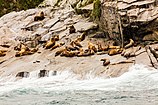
[
  {"x": 131, "y": 43},
  {"x": 23, "y": 50},
  {"x": 39, "y": 17},
  {"x": 56, "y": 37},
  {"x": 69, "y": 53},
  {"x": 85, "y": 53},
  {"x": 2, "y": 53},
  {"x": 50, "y": 43},
  {"x": 77, "y": 43},
  {"x": 105, "y": 61},
  {"x": 101, "y": 48},
  {"x": 72, "y": 29},
  {"x": 59, "y": 51},
  {"x": 92, "y": 47},
  {"x": 82, "y": 37},
  {"x": 114, "y": 47},
  {"x": 130, "y": 52},
  {"x": 57, "y": 45},
  {"x": 114, "y": 51}
]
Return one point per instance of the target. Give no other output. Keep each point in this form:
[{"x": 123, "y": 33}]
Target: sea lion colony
[{"x": 75, "y": 47}]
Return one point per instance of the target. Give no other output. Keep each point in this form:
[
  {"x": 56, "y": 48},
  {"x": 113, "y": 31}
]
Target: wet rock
[
  {"x": 23, "y": 74},
  {"x": 54, "y": 73},
  {"x": 43, "y": 73}
]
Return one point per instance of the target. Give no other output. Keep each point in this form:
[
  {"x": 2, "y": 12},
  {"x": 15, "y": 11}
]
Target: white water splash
[{"x": 138, "y": 78}]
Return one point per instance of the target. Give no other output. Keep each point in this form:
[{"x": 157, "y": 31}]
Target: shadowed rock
[
  {"x": 23, "y": 74},
  {"x": 43, "y": 73}
]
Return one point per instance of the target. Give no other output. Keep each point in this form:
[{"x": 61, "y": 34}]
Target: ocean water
[{"x": 139, "y": 86}]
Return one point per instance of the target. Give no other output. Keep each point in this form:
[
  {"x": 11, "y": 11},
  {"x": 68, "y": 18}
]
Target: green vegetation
[
  {"x": 7, "y": 6},
  {"x": 96, "y": 12}
]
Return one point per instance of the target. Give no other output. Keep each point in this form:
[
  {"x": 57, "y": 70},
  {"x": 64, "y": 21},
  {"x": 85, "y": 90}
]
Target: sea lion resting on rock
[
  {"x": 85, "y": 53},
  {"x": 131, "y": 43},
  {"x": 115, "y": 51},
  {"x": 39, "y": 17},
  {"x": 2, "y": 53},
  {"x": 56, "y": 37},
  {"x": 59, "y": 51},
  {"x": 114, "y": 47},
  {"x": 69, "y": 53},
  {"x": 57, "y": 45},
  {"x": 25, "y": 51},
  {"x": 82, "y": 37},
  {"x": 100, "y": 48},
  {"x": 72, "y": 29},
  {"x": 49, "y": 44},
  {"x": 105, "y": 61},
  {"x": 130, "y": 52},
  {"x": 92, "y": 47}
]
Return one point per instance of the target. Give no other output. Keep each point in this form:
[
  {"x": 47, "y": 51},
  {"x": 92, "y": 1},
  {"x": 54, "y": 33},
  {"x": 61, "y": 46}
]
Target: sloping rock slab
[
  {"x": 51, "y": 22},
  {"x": 85, "y": 26}
]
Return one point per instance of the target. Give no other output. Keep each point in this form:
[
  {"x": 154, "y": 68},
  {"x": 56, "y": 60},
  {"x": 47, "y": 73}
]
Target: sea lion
[
  {"x": 130, "y": 52},
  {"x": 50, "y": 43},
  {"x": 77, "y": 43},
  {"x": 2, "y": 53},
  {"x": 100, "y": 49},
  {"x": 72, "y": 29},
  {"x": 71, "y": 48},
  {"x": 92, "y": 47},
  {"x": 56, "y": 37},
  {"x": 39, "y": 17},
  {"x": 83, "y": 53},
  {"x": 57, "y": 45},
  {"x": 59, "y": 52},
  {"x": 114, "y": 51},
  {"x": 131, "y": 43},
  {"x": 105, "y": 61},
  {"x": 23, "y": 50},
  {"x": 82, "y": 37},
  {"x": 114, "y": 47},
  {"x": 69, "y": 53}
]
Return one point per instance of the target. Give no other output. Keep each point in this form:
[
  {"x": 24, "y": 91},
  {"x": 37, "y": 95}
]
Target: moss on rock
[{"x": 96, "y": 12}]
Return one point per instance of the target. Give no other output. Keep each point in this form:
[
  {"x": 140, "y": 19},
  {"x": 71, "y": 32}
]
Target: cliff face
[{"x": 135, "y": 16}]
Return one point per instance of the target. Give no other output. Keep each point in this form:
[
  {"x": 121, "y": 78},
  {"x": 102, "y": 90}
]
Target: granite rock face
[{"x": 20, "y": 28}]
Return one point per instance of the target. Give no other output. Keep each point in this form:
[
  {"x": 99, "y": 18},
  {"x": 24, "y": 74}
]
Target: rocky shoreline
[{"x": 19, "y": 29}]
